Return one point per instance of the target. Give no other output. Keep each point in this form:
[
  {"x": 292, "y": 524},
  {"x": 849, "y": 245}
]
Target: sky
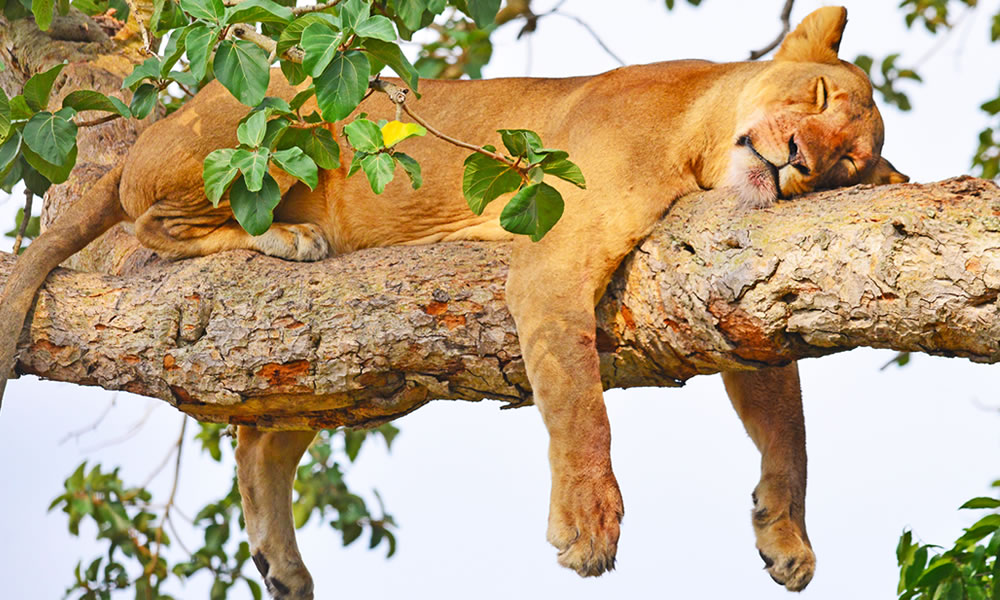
[{"x": 468, "y": 484}]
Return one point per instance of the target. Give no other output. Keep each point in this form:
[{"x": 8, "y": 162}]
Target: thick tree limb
[{"x": 371, "y": 335}]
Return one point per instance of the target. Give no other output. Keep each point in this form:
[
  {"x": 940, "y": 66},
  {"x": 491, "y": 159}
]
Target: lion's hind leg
[
  {"x": 185, "y": 229},
  {"x": 769, "y": 402},
  {"x": 266, "y": 463}
]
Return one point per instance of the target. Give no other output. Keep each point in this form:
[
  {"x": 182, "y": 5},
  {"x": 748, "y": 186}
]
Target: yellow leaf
[{"x": 394, "y": 132}]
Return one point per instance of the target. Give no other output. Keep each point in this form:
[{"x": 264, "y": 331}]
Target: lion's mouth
[{"x": 770, "y": 170}]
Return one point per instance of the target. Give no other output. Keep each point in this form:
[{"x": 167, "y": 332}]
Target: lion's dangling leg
[
  {"x": 769, "y": 402},
  {"x": 266, "y": 462}
]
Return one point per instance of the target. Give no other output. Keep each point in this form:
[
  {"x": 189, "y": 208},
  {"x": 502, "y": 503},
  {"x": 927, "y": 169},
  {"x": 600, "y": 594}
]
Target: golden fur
[{"x": 643, "y": 136}]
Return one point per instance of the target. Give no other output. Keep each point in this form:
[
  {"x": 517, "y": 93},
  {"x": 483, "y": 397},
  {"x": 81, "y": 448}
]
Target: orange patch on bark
[
  {"x": 436, "y": 308},
  {"x": 169, "y": 363},
  {"x": 284, "y": 374},
  {"x": 746, "y": 333},
  {"x": 452, "y": 321},
  {"x": 629, "y": 318}
]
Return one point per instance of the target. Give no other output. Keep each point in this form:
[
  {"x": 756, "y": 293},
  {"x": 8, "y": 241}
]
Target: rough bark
[{"x": 371, "y": 335}]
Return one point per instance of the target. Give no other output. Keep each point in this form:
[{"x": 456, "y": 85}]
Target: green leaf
[
  {"x": 483, "y": 12},
  {"x": 199, "y": 43},
  {"x": 485, "y": 179},
  {"x": 992, "y": 107},
  {"x": 320, "y": 42},
  {"x": 411, "y": 12},
  {"x": 52, "y": 173},
  {"x": 149, "y": 69},
  {"x": 317, "y": 142},
  {"x": 412, "y": 169},
  {"x": 563, "y": 169},
  {"x": 253, "y": 165},
  {"x": 394, "y": 132},
  {"x": 376, "y": 27},
  {"x": 43, "y": 11},
  {"x": 33, "y": 180},
  {"x": 297, "y": 163},
  {"x": 254, "y": 210},
  {"x": 37, "y": 89},
  {"x": 342, "y": 85},
  {"x": 364, "y": 135},
  {"x": 51, "y": 136},
  {"x": 254, "y": 589},
  {"x": 353, "y": 13},
  {"x": 916, "y": 568},
  {"x": 391, "y": 55},
  {"x": 379, "y": 170},
  {"x": 292, "y": 35},
  {"x": 981, "y": 502},
  {"x": 293, "y": 72},
  {"x": 242, "y": 68},
  {"x": 251, "y": 130},
  {"x": 143, "y": 100},
  {"x": 206, "y": 10},
  {"x": 936, "y": 573},
  {"x": 301, "y": 98},
  {"x": 4, "y": 115},
  {"x": 218, "y": 172},
  {"x": 533, "y": 210},
  {"x": 81, "y": 100},
  {"x": 8, "y": 151},
  {"x": 263, "y": 11},
  {"x": 520, "y": 141},
  {"x": 175, "y": 48}
]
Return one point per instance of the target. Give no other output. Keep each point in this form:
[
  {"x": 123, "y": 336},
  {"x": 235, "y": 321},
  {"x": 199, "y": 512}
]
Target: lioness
[{"x": 767, "y": 130}]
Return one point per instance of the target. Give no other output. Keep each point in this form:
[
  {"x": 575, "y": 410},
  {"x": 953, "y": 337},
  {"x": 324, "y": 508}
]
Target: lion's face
[{"x": 810, "y": 123}]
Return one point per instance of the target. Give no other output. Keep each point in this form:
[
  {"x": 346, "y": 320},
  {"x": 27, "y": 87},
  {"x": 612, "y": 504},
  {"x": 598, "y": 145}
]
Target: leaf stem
[{"x": 28, "y": 199}]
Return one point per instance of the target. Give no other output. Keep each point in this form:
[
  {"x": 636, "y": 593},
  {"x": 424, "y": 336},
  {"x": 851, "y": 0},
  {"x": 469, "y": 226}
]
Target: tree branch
[
  {"x": 786, "y": 16},
  {"x": 244, "y": 338}
]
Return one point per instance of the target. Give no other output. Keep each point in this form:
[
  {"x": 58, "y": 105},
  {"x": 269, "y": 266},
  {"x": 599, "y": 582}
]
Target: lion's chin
[{"x": 753, "y": 181}]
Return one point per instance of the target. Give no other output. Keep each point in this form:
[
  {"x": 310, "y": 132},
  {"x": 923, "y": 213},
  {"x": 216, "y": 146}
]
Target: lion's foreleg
[
  {"x": 265, "y": 465},
  {"x": 769, "y": 402}
]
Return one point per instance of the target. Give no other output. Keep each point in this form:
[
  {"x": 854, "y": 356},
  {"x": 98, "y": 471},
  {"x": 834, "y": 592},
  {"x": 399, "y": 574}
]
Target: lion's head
[{"x": 810, "y": 121}]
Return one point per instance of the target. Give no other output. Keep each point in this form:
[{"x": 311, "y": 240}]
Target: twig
[
  {"x": 786, "y": 15},
  {"x": 398, "y": 96},
  {"x": 147, "y": 40},
  {"x": 136, "y": 427},
  {"x": 97, "y": 121},
  {"x": 249, "y": 34},
  {"x": 301, "y": 10},
  {"x": 97, "y": 422},
  {"x": 170, "y": 501},
  {"x": 29, "y": 197},
  {"x": 590, "y": 30}
]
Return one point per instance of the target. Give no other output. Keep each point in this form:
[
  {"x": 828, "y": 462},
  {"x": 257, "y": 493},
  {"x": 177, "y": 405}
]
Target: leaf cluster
[
  {"x": 969, "y": 570},
  {"x": 536, "y": 205}
]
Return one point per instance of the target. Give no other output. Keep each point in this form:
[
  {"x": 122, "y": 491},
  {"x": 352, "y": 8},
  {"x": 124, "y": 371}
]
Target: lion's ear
[
  {"x": 884, "y": 173},
  {"x": 817, "y": 38}
]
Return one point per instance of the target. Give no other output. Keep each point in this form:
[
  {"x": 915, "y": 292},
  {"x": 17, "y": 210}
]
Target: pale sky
[{"x": 468, "y": 484}]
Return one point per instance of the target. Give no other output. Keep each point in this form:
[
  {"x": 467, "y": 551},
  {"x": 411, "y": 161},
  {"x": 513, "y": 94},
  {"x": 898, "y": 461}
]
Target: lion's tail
[{"x": 82, "y": 223}]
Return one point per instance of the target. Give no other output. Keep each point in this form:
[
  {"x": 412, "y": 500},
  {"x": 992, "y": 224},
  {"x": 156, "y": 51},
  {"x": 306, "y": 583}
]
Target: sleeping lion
[{"x": 766, "y": 130}]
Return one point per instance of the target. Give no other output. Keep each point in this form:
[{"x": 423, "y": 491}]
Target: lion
[{"x": 643, "y": 135}]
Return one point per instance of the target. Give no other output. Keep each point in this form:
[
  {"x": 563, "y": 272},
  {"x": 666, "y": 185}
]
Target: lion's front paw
[
  {"x": 584, "y": 524},
  {"x": 785, "y": 550}
]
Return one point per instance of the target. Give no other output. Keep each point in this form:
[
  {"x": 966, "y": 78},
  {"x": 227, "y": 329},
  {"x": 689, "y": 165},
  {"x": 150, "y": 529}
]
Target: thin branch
[
  {"x": 590, "y": 30},
  {"x": 29, "y": 197},
  {"x": 250, "y": 34},
  {"x": 301, "y": 10},
  {"x": 147, "y": 39},
  {"x": 93, "y": 426},
  {"x": 170, "y": 500},
  {"x": 97, "y": 121},
  {"x": 398, "y": 97},
  {"x": 786, "y": 26},
  {"x": 136, "y": 427}
]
